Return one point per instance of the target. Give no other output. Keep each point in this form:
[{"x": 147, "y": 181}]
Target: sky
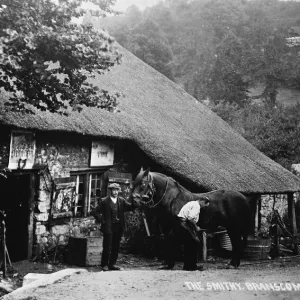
[{"x": 122, "y": 5}]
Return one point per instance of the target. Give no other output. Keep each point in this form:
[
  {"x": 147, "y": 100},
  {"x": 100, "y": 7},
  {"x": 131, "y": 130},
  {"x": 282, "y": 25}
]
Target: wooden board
[{"x": 85, "y": 251}]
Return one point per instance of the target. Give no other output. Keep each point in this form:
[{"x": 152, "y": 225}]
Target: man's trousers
[{"x": 111, "y": 245}]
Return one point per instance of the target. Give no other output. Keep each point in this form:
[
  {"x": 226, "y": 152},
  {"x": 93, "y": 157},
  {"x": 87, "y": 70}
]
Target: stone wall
[
  {"x": 49, "y": 232},
  {"x": 278, "y": 202},
  {"x": 56, "y": 156},
  {"x": 60, "y": 159}
]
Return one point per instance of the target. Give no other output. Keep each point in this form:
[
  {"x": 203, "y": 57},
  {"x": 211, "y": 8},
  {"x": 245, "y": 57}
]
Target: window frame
[
  {"x": 90, "y": 189},
  {"x": 87, "y": 175}
]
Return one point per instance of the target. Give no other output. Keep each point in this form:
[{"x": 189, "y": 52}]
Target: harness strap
[{"x": 162, "y": 195}]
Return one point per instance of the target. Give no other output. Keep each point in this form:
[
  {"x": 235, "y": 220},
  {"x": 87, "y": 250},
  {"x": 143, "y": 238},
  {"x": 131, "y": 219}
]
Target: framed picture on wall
[{"x": 102, "y": 154}]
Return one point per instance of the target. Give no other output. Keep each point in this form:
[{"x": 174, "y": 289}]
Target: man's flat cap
[{"x": 114, "y": 186}]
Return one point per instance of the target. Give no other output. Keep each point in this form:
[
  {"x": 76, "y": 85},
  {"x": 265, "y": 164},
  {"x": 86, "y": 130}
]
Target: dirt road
[{"x": 270, "y": 280}]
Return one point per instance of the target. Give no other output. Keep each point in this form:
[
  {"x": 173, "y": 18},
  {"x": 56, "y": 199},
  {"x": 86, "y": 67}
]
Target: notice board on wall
[
  {"x": 22, "y": 150},
  {"x": 102, "y": 154}
]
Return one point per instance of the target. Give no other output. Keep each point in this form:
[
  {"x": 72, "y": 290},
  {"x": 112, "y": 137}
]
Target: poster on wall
[
  {"x": 63, "y": 199},
  {"x": 22, "y": 150},
  {"x": 102, "y": 154}
]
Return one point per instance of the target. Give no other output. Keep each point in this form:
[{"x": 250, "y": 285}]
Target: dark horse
[{"x": 229, "y": 209}]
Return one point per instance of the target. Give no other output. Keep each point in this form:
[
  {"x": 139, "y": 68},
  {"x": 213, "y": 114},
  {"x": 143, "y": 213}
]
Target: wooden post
[
  {"x": 257, "y": 212},
  {"x": 3, "y": 249},
  {"x": 146, "y": 224},
  {"x": 8, "y": 257},
  {"x": 204, "y": 246},
  {"x": 276, "y": 241},
  {"x": 31, "y": 214},
  {"x": 86, "y": 194},
  {"x": 291, "y": 212}
]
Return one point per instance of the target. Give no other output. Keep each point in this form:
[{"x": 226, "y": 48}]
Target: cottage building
[{"x": 60, "y": 166}]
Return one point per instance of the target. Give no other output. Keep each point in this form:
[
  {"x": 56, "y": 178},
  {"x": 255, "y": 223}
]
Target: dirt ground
[{"x": 142, "y": 279}]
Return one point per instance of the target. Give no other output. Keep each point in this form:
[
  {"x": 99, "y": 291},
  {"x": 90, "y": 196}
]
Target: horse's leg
[
  {"x": 170, "y": 244},
  {"x": 190, "y": 254},
  {"x": 236, "y": 243},
  {"x": 245, "y": 243}
]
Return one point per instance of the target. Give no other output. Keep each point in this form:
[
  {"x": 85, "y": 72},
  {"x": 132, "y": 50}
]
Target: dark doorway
[{"x": 14, "y": 201}]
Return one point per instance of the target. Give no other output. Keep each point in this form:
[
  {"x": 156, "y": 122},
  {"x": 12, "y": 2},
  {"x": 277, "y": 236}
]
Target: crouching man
[
  {"x": 189, "y": 216},
  {"x": 110, "y": 212},
  {"x": 185, "y": 231}
]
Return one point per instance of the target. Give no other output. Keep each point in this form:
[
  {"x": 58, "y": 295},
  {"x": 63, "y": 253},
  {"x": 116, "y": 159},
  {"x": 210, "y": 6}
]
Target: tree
[
  {"x": 247, "y": 48},
  {"x": 143, "y": 37},
  {"x": 219, "y": 75},
  {"x": 47, "y": 60},
  {"x": 148, "y": 42},
  {"x": 133, "y": 16},
  {"x": 267, "y": 59},
  {"x": 275, "y": 131}
]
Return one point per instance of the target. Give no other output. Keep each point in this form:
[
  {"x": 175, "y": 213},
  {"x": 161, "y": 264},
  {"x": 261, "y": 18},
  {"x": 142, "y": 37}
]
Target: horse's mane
[{"x": 182, "y": 188}]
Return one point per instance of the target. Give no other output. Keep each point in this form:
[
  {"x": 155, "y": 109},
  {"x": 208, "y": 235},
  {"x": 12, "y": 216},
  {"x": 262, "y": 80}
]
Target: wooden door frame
[{"x": 31, "y": 203}]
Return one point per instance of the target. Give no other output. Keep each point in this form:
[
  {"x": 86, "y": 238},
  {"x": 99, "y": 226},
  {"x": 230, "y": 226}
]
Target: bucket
[
  {"x": 257, "y": 249},
  {"x": 225, "y": 241}
]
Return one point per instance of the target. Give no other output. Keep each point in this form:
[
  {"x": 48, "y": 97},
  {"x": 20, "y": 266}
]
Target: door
[{"x": 14, "y": 202}]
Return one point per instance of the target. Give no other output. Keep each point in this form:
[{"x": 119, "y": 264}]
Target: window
[
  {"x": 89, "y": 190},
  {"x": 95, "y": 190}
]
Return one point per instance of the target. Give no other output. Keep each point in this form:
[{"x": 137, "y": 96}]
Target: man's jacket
[{"x": 104, "y": 209}]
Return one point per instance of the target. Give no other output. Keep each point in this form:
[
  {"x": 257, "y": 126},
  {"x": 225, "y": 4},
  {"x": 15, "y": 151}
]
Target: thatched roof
[{"x": 173, "y": 129}]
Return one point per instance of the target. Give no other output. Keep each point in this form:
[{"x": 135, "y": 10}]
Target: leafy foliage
[
  {"x": 143, "y": 37},
  {"x": 216, "y": 49},
  {"x": 46, "y": 59},
  {"x": 273, "y": 130}
]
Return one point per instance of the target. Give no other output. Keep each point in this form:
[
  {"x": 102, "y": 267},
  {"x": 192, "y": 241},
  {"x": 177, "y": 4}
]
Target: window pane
[
  {"x": 99, "y": 183},
  {"x": 79, "y": 201},
  {"x": 95, "y": 192},
  {"x": 80, "y": 188}
]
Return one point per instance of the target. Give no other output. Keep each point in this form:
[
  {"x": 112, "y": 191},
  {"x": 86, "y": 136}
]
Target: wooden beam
[
  {"x": 31, "y": 200},
  {"x": 3, "y": 248},
  {"x": 256, "y": 206},
  {"x": 291, "y": 212},
  {"x": 204, "y": 246},
  {"x": 146, "y": 224},
  {"x": 86, "y": 196}
]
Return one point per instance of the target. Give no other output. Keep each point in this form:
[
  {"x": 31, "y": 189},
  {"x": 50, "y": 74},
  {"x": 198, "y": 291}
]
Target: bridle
[{"x": 152, "y": 190}]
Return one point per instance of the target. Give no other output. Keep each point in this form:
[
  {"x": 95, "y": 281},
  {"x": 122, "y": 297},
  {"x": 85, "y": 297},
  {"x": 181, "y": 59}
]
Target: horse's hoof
[
  {"x": 166, "y": 267},
  {"x": 195, "y": 268},
  {"x": 228, "y": 267},
  {"x": 231, "y": 265}
]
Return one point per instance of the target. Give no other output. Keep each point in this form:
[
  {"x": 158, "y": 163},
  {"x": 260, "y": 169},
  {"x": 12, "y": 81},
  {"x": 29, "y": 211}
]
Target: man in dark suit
[{"x": 112, "y": 220}]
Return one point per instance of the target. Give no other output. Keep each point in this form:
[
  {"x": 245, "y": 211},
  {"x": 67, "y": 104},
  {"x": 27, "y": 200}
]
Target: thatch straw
[{"x": 172, "y": 128}]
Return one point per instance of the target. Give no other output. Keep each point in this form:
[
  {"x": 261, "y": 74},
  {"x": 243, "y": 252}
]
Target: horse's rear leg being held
[{"x": 236, "y": 243}]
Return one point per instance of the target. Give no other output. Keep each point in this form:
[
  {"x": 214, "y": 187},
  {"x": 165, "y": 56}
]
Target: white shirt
[
  {"x": 114, "y": 200},
  {"x": 190, "y": 211}
]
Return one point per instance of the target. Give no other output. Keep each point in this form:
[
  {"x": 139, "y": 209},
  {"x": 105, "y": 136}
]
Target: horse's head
[{"x": 143, "y": 188}]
